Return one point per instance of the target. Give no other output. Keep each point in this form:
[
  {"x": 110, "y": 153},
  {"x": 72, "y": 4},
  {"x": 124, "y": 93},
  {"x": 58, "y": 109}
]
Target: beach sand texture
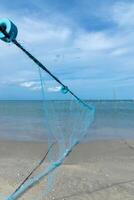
[{"x": 97, "y": 170}]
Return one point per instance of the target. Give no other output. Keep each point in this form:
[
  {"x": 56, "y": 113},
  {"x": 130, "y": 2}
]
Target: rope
[{"x": 38, "y": 165}]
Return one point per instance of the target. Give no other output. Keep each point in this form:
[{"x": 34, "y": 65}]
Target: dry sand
[{"x": 98, "y": 170}]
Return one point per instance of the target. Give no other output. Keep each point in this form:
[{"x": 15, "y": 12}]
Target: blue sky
[{"x": 88, "y": 44}]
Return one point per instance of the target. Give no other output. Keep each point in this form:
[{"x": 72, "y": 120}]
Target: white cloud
[
  {"x": 32, "y": 85},
  {"x": 38, "y": 31},
  {"x": 94, "y": 41},
  {"x": 35, "y": 85},
  {"x": 28, "y": 84},
  {"x": 54, "y": 89},
  {"x": 123, "y": 14},
  {"x": 36, "y": 88},
  {"x": 120, "y": 51}
]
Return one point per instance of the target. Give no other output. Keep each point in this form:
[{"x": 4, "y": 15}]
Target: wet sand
[{"x": 97, "y": 170}]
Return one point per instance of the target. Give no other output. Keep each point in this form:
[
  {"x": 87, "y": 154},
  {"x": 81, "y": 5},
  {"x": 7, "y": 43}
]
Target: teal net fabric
[
  {"x": 66, "y": 119},
  {"x": 66, "y": 122}
]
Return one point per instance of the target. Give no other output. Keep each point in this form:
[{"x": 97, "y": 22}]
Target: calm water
[{"x": 24, "y": 120}]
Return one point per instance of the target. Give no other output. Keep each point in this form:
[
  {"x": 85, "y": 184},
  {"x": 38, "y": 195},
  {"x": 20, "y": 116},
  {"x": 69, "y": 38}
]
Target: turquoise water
[{"x": 24, "y": 120}]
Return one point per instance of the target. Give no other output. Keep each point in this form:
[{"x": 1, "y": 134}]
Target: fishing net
[{"x": 66, "y": 121}]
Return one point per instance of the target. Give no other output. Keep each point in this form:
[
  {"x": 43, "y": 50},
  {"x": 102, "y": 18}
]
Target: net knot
[{"x": 64, "y": 89}]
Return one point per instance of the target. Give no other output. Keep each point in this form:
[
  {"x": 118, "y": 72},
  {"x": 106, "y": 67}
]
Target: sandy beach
[{"x": 95, "y": 170}]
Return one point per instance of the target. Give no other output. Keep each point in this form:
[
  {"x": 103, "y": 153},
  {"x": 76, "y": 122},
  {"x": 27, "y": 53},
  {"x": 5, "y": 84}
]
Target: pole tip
[{"x": 10, "y": 28}]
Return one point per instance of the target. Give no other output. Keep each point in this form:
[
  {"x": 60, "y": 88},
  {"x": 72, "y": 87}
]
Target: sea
[{"x": 24, "y": 120}]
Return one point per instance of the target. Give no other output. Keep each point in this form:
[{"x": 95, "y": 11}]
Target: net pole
[
  {"x": 36, "y": 61},
  {"x": 30, "y": 183}
]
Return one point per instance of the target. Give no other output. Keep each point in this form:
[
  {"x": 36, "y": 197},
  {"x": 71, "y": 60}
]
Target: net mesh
[{"x": 66, "y": 121}]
